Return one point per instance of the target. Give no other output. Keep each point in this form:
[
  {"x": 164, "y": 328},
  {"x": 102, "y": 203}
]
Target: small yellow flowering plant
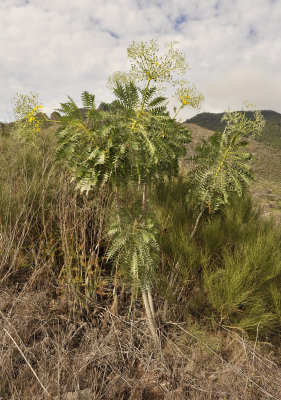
[
  {"x": 29, "y": 117},
  {"x": 33, "y": 119}
]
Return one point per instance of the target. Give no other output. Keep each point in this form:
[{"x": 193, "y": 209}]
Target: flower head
[
  {"x": 147, "y": 63},
  {"x": 188, "y": 95},
  {"x": 33, "y": 120}
]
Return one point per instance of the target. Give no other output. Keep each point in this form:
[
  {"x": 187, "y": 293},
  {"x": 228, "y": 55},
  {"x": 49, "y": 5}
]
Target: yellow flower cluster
[
  {"x": 185, "y": 99},
  {"x": 35, "y": 123},
  {"x": 149, "y": 74},
  {"x": 187, "y": 95}
]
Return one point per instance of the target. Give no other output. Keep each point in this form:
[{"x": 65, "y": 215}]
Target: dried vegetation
[{"x": 61, "y": 335}]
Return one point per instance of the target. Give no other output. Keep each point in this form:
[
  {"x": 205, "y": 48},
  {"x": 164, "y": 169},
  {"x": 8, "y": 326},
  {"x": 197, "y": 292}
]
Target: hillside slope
[{"x": 271, "y": 134}]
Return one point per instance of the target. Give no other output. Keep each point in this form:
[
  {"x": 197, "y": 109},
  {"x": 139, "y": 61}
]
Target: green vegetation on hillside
[{"x": 270, "y": 135}]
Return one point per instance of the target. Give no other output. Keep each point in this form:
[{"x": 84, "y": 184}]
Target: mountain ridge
[{"x": 270, "y": 135}]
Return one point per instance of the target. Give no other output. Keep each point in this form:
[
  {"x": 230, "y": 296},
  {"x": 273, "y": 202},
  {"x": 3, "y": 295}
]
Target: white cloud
[
  {"x": 241, "y": 84},
  {"x": 60, "y": 48}
]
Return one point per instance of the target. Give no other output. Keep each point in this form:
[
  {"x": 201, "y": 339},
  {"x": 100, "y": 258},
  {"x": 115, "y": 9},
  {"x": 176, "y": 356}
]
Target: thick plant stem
[
  {"x": 146, "y": 293},
  {"x": 117, "y": 202},
  {"x": 144, "y": 97},
  {"x": 143, "y": 206},
  {"x": 149, "y": 316},
  {"x": 150, "y": 301},
  {"x": 225, "y": 154},
  {"x": 114, "y": 306},
  {"x": 142, "y": 105},
  {"x": 170, "y": 285}
]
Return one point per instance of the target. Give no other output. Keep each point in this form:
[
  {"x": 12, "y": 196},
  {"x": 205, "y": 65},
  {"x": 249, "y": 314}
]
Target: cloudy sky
[{"x": 61, "y": 47}]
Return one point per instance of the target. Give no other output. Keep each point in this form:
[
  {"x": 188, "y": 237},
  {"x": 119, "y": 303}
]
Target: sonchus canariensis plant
[
  {"x": 223, "y": 165},
  {"x": 130, "y": 147}
]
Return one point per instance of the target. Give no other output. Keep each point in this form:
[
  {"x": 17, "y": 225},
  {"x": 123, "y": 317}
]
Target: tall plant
[
  {"x": 223, "y": 167},
  {"x": 131, "y": 146}
]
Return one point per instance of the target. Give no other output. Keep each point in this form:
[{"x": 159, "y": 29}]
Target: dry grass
[{"x": 114, "y": 357}]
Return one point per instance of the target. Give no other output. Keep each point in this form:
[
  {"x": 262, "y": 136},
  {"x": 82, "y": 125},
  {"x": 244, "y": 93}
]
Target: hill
[{"x": 271, "y": 134}]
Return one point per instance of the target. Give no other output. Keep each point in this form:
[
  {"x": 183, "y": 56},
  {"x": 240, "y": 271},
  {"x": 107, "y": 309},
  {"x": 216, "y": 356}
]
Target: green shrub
[{"x": 243, "y": 277}]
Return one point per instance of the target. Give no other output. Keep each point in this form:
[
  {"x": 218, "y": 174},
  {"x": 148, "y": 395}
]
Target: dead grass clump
[{"x": 45, "y": 353}]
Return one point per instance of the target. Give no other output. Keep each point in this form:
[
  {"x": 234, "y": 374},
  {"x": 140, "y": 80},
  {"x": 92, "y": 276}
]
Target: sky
[{"x": 59, "y": 48}]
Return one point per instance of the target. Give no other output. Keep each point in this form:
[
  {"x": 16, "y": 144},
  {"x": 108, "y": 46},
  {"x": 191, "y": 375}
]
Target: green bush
[
  {"x": 231, "y": 273},
  {"x": 244, "y": 273}
]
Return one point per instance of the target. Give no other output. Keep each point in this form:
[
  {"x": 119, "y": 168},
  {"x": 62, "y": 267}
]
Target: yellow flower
[{"x": 184, "y": 99}]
